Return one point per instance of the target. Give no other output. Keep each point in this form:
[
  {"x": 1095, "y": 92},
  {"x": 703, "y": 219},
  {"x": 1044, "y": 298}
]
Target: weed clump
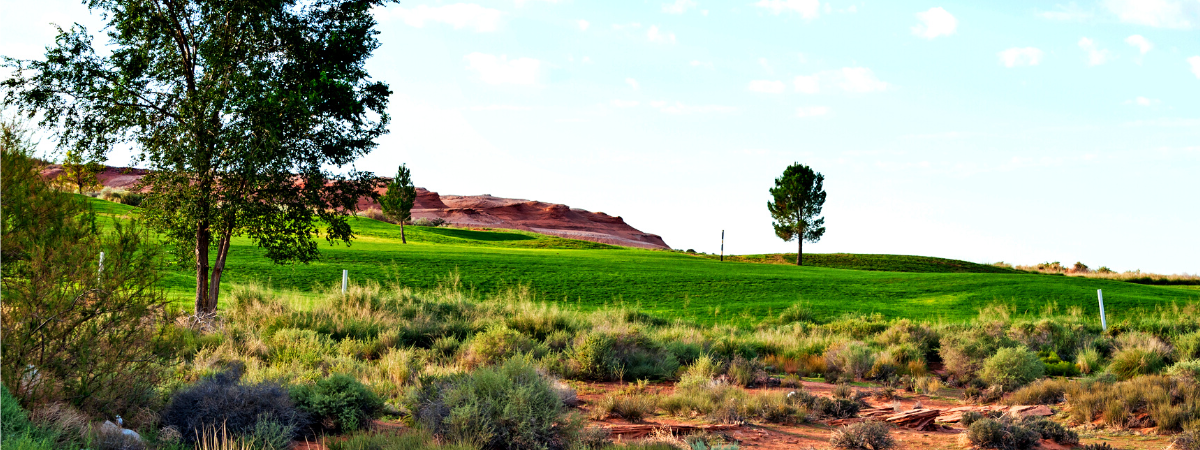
[
  {"x": 1001, "y": 434},
  {"x": 871, "y": 435}
]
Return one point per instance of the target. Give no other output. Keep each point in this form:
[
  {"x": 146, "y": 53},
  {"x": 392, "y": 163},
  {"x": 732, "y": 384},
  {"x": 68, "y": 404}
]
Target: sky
[{"x": 1019, "y": 131}]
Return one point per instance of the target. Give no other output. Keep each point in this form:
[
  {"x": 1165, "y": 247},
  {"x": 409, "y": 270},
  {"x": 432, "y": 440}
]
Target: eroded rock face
[
  {"x": 540, "y": 217},
  {"x": 477, "y": 211}
]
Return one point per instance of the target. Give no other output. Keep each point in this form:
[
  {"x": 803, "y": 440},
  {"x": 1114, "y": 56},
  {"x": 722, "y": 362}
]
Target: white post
[
  {"x": 1103, "y": 322},
  {"x": 101, "y": 270},
  {"x": 346, "y": 277}
]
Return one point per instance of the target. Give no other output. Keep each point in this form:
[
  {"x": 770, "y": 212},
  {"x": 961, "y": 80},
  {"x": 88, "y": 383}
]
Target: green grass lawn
[{"x": 673, "y": 285}]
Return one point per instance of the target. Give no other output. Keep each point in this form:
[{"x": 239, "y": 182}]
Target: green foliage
[
  {"x": 1012, "y": 367},
  {"x": 1188, "y": 440},
  {"x": 398, "y": 202},
  {"x": 1056, "y": 367},
  {"x": 1044, "y": 392},
  {"x": 1130, "y": 362},
  {"x": 632, "y": 408},
  {"x": 14, "y": 421},
  {"x": 339, "y": 403},
  {"x": 853, "y": 358},
  {"x": 73, "y": 332},
  {"x": 241, "y": 139},
  {"x": 798, "y": 197},
  {"x": 1088, "y": 360},
  {"x": 1166, "y": 400},
  {"x": 870, "y": 435},
  {"x": 510, "y": 406},
  {"x": 1187, "y": 346},
  {"x": 1049, "y": 429},
  {"x": 1186, "y": 369}
]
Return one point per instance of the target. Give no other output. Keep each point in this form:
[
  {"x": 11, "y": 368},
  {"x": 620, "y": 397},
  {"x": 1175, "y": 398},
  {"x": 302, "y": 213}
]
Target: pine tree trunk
[
  {"x": 800, "y": 253},
  {"x": 402, "y": 240}
]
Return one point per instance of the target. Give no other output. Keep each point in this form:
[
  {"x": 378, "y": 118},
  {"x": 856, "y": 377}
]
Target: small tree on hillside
[
  {"x": 79, "y": 173},
  {"x": 799, "y": 197},
  {"x": 398, "y": 202}
]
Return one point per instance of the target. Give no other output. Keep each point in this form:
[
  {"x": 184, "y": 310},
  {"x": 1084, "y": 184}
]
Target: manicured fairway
[{"x": 668, "y": 284}]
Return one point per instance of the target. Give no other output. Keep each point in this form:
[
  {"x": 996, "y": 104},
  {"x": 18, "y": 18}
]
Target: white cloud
[
  {"x": 680, "y": 108},
  {"x": 1013, "y": 57},
  {"x": 1070, "y": 12},
  {"x": 848, "y": 79},
  {"x": 500, "y": 70},
  {"x": 1195, "y": 63},
  {"x": 767, "y": 86},
  {"x": 654, "y": 35},
  {"x": 699, "y": 63},
  {"x": 624, "y": 103},
  {"x": 583, "y": 24},
  {"x": 632, "y": 83},
  {"x": 808, "y": 84},
  {"x": 1143, "y": 101},
  {"x": 811, "y": 111},
  {"x": 679, "y": 7},
  {"x": 626, "y": 26},
  {"x": 1140, "y": 42},
  {"x": 807, "y": 9},
  {"x": 458, "y": 15},
  {"x": 1154, "y": 13},
  {"x": 1096, "y": 56},
  {"x": 935, "y": 22},
  {"x": 520, "y": 3}
]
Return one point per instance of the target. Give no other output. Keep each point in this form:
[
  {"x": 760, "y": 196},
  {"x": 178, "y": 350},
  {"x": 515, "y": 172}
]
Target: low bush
[
  {"x": 429, "y": 222},
  {"x": 964, "y": 349},
  {"x": 970, "y": 417},
  {"x": 1186, "y": 369},
  {"x": 236, "y": 409},
  {"x": 1011, "y": 367},
  {"x": 871, "y": 435},
  {"x": 496, "y": 344},
  {"x": 633, "y": 408},
  {"x": 1138, "y": 353},
  {"x": 1051, "y": 430},
  {"x": 1001, "y": 434},
  {"x": 1189, "y": 440},
  {"x": 1056, "y": 367},
  {"x": 1187, "y": 346},
  {"x": 853, "y": 358},
  {"x": 1144, "y": 401},
  {"x": 510, "y": 406},
  {"x": 835, "y": 408},
  {"x": 746, "y": 372},
  {"x": 338, "y": 403},
  {"x": 1043, "y": 392}
]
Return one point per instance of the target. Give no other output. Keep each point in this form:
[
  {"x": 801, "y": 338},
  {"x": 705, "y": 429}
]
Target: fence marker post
[
  {"x": 1103, "y": 322},
  {"x": 345, "y": 277},
  {"x": 722, "y": 245},
  {"x": 101, "y": 270}
]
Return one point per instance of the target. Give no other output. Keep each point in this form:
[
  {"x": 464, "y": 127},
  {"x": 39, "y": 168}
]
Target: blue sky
[{"x": 986, "y": 131}]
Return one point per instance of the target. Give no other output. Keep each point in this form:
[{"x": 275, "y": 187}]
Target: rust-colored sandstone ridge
[{"x": 479, "y": 211}]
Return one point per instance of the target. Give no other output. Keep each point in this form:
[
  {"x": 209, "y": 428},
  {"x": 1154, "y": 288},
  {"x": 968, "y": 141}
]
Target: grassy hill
[
  {"x": 674, "y": 285},
  {"x": 887, "y": 263}
]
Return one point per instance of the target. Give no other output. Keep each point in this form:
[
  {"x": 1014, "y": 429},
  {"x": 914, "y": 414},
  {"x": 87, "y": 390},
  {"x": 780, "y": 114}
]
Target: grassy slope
[
  {"x": 669, "y": 284},
  {"x": 889, "y": 263}
]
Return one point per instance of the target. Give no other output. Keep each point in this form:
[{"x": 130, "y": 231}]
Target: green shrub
[
  {"x": 870, "y": 435},
  {"x": 745, "y": 372},
  {"x": 970, "y": 417},
  {"x": 510, "y": 406},
  {"x": 1001, "y": 434},
  {"x": 1187, "y": 346},
  {"x": 1012, "y": 367},
  {"x": 496, "y": 344},
  {"x": 338, "y": 403},
  {"x": 14, "y": 421},
  {"x": 836, "y": 408},
  {"x": 592, "y": 358},
  {"x": 1186, "y": 369},
  {"x": 963, "y": 350},
  {"x": 632, "y": 408},
  {"x": 853, "y": 358},
  {"x": 1056, "y": 367},
  {"x": 700, "y": 373}
]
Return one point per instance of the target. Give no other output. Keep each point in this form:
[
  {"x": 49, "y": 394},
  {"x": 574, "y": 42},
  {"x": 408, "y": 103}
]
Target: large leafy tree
[
  {"x": 249, "y": 114},
  {"x": 798, "y": 196},
  {"x": 398, "y": 201}
]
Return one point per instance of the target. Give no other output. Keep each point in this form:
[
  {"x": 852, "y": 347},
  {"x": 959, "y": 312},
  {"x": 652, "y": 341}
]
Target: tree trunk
[
  {"x": 800, "y": 253},
  {"x": 214, "y": 286},
  {"x": 402, "y": 240},
  {"x": 203, "y": 237}
]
